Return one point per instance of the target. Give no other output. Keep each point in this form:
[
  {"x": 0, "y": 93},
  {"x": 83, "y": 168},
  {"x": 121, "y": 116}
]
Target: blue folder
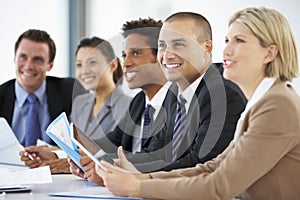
[{"x": 71, "y": 152}]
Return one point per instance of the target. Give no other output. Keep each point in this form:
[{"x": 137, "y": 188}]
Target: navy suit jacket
[{"x": 60, "y": 92}]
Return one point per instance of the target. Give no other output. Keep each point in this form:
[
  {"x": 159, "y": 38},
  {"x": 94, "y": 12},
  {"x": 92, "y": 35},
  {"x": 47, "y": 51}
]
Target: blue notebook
[{"x": 59, "y": 131}]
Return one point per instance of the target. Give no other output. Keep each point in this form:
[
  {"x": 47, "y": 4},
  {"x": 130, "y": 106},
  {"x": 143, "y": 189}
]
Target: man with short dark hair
[
  {"x": 34, "y": 57},
  {"x": 141, "y": 70}
]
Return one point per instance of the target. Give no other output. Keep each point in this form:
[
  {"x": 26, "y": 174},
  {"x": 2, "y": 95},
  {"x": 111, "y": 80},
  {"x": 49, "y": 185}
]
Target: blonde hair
[{"x": 272, "y": 28}]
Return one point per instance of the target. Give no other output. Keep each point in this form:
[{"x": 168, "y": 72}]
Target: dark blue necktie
[
  {"x": 179, "y": 126},
  {"x": 32, "y": 130},
  {"x": 148, "y": 112}
]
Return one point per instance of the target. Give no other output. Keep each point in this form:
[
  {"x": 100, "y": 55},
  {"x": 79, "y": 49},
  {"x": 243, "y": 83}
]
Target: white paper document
[
  {"x": 31, "y": 176},
  {"x": 9, "y": 145},
  {"x": 92, "y": 192}
]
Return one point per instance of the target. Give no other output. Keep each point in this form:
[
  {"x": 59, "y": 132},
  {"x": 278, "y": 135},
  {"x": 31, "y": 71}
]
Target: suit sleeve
[{"x": 237, "y": 171}]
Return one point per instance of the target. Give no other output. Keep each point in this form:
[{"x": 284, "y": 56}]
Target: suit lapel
[
  {"x": 86, "y": 111},
  {"x": 55, "y": 102},
  {"x": 8, "y": 99},
  {"x": 166, "y": 112},
  {"x": 194, "y": 112},
  {"x": 133, "y": 122}
]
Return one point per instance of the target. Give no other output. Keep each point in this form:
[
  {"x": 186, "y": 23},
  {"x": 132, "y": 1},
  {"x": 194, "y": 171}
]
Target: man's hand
[
  {"x": 58, "y": 165},
  {"x": 39, "y": 154},
  {"x": 90, "y": 171},
  {"x": 74, "y": 169}
]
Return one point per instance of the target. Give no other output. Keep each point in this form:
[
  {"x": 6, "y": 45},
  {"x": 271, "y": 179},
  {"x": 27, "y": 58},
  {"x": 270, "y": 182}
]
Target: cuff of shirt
[{"x": 60, "y": 153}]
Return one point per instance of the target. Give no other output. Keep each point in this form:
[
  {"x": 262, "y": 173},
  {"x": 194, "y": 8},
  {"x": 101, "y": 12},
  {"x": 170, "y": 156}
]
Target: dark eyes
[
  {"x": 136, "y": 53},
  {"x": 90, "y": 63},
  {"x": 78, "y": 65},
  {"x": 178, "y": 44},
  {"x": 123, "y": 55},
  {"x": 175, "y": 45},
  {"x": 162, "y": 46},
  {"x": 22, "y": 57},
  {"x": 238, "y": 40},
  {"x": 36, "y": 59}
]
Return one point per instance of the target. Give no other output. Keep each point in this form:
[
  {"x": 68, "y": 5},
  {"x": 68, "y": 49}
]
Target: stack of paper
[{"x": 22, "y": 180}]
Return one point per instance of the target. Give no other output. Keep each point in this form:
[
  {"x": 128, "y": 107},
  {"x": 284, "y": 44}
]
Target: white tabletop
[{"x": 61, "y": 183}]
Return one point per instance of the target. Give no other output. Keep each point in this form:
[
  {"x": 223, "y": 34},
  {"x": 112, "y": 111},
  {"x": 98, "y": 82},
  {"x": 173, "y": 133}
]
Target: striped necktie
[{"x": 179, "y": 126}]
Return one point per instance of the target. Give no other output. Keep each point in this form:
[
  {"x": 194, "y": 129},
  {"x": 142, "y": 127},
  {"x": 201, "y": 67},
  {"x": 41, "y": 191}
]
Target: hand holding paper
[{"x": 59, "y": 131}]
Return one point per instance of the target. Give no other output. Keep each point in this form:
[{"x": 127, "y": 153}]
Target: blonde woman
[{"x": 263, "y": 161}]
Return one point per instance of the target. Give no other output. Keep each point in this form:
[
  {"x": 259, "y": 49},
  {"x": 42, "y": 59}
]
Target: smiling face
[
  {"x": 92, "y": 69},
  {"x": 140, "y": 66},
  {"x": 181, "y": 56},
  {"x": 32, "y": 63},
  {"x": 244, "y": 58}
]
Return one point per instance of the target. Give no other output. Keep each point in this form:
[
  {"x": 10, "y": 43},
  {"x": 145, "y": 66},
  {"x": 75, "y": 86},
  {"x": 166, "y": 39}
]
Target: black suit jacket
[
  {"x": 211, "y": 121},
  {"x": 60, "y": 92},
  {"x": 130, "y": 126}
]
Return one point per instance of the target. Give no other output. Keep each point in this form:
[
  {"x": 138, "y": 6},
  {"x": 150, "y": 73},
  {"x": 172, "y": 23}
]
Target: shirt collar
[
  {"x": 21, "y": 94},
  {"x": 157, "y": 101},
  {"x": 262, "y": 88},
  {"x": 189, "y": 92}
]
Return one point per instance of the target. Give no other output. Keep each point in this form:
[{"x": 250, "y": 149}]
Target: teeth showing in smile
[
  {"x": 88, "y": 79},
  {"x": 172, "y": 66},
  {"x": 227, "y": 62},
  {"x": 130, "y": 75},
  {"x": 28, "y": 74}
]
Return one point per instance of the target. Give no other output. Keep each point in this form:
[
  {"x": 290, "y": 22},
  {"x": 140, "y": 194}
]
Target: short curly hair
[{"x": 148, "y": 27}]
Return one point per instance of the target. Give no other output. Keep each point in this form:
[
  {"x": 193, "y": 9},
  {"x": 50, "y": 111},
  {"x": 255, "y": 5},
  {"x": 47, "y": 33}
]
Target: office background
[{"x": 67, "y": 21}]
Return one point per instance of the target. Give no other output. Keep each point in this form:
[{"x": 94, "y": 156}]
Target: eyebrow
[
  {"x": 174, "y": 40},
  {"x": 238, "y": 35},
  {"x": 38, "y": 58},
  {"x": 135, "y": 49},
  {"x": 179, "y": 40}
]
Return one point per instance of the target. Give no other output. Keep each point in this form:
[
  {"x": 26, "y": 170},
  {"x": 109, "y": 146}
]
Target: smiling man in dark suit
[
  {"x": 34, "y": 57},
  {"x": 141, "y": 70}
]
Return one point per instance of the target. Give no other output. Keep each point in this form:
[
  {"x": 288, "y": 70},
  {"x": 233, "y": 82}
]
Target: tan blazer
[{"x": 263, "y": 163}]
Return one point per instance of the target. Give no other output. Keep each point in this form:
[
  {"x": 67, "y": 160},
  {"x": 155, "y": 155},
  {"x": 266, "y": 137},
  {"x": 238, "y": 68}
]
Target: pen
[{"x": 28, "y": 154}]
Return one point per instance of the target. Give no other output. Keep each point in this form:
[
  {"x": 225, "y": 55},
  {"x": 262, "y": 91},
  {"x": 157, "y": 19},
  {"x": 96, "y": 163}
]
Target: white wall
[
  {"x": 17, "y": 16},
  {"x": 106, "y": 17}
]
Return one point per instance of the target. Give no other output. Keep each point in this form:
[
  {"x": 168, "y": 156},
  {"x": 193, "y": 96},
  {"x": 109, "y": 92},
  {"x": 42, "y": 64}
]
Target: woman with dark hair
[
  {"x": 99, "y": 71},
  {"x": 95, "y": 113}
]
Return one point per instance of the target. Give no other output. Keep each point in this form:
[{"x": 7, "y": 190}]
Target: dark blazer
[
  {"x": 59, "y": 93},
  {"x": 130, "y": 126},
  {"x": 211, "y": 121}
]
